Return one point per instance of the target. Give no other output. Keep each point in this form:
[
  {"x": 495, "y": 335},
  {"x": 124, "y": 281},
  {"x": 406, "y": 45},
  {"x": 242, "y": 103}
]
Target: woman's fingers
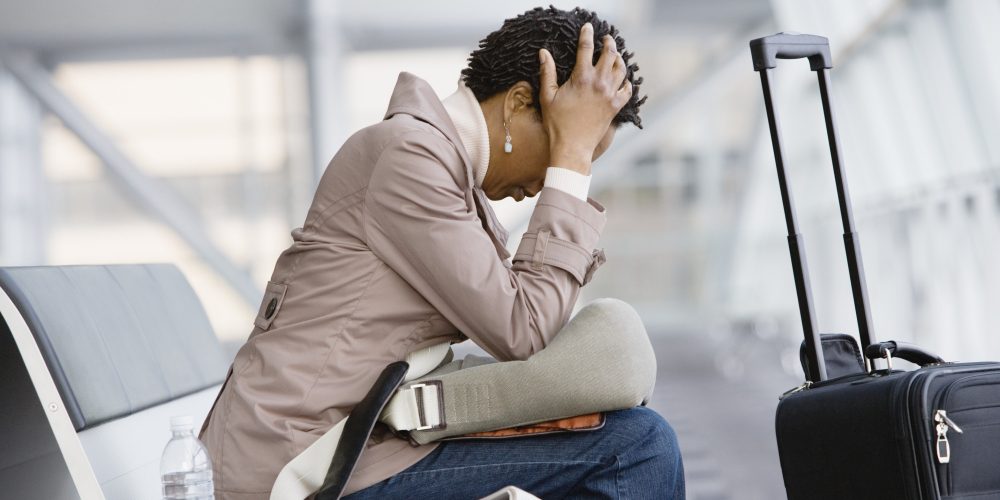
[
  {"x": 547, "y": 79},
  {"x": 609, "y": 72},
  {"x": 608, "y": 53},
  {"x": 585, "y": 50},
  {"x": 623, "y": 95},
  {"x": 619, "y": 71}
]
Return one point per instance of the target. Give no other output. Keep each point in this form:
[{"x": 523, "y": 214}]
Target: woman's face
[{"x": 521, "y": 172}]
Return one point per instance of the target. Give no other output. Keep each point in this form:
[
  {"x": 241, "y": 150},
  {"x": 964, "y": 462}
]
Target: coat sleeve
[{"x": 418, "y": 222}]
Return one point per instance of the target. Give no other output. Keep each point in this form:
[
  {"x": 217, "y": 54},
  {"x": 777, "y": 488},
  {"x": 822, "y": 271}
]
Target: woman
[{"x": 400, "y": 250}]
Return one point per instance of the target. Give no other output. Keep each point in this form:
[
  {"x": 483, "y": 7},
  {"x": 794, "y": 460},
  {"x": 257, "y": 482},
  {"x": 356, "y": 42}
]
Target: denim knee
[
  {"x": 655, "y": 426},
  {"x": 652, "y": 457}
]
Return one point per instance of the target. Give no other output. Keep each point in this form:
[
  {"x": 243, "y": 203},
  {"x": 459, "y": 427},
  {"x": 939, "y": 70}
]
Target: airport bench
[{"x": 93, "y": 362}]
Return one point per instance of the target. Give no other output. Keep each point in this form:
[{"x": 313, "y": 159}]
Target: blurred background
[{"x": 194, "y": 132}]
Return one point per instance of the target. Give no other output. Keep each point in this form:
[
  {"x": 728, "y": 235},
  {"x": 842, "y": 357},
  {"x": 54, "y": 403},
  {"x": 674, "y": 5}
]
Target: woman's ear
[{"x": 518, "y": 99}]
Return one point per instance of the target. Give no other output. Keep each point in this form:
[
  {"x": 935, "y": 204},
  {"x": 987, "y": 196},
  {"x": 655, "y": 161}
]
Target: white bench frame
[{"x": 117, "y": 460}]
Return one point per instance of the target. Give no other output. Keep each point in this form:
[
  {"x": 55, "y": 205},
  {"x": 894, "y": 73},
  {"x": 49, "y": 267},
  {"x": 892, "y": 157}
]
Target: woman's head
[{"x": 503, "y": 73}]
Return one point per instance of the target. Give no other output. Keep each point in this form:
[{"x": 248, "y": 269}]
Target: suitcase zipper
[
  {"x": 809, "y": 384},
  {"x": 942, "y": 426},
  {"x": 805, "y": 385},
  {"x": 943, "y": 398}
]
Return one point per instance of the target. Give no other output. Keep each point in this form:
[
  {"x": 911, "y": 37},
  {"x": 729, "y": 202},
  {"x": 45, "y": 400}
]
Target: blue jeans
[{"x": 635, "y": 455}]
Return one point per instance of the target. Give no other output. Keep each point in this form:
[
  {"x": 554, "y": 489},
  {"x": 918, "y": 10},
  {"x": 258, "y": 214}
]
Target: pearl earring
[{"x": 507, "y": 146}]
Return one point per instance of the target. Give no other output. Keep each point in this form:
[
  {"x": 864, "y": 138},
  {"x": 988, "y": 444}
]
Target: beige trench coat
[{"x": 399, "y": 251}]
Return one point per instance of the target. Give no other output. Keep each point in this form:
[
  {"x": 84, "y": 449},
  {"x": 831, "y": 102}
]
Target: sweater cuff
[{"x": 569, "y": 181}]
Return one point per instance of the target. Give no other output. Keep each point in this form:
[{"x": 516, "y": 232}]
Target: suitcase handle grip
[
  {"x": 788, "y": 45},
  {"x": 902, "y": 350}
]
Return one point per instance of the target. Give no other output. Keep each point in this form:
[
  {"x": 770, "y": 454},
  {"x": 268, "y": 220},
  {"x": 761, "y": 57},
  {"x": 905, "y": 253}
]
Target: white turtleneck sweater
[{"x": 467, "y": 115}]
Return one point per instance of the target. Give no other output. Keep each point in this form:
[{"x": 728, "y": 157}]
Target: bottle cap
[{"x": 181, "y": 422}]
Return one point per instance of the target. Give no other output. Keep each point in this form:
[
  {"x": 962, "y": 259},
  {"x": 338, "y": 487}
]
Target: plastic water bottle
[{"x": 185, "y": 469}]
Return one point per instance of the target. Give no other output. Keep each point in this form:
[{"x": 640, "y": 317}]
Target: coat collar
[{"x": 415, "y": 97}]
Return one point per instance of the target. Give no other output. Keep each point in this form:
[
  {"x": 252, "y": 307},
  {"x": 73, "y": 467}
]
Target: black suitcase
[{"x": 862, "y": 432}]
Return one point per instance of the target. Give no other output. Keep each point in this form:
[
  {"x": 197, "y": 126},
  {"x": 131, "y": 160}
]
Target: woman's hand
[{"x": 578, "y": 114}]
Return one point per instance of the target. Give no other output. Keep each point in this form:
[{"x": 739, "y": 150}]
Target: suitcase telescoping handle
[{"x": 765, "y": 52}]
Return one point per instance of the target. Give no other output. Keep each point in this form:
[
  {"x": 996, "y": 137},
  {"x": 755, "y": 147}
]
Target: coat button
[{"x": 271, "y": 306}]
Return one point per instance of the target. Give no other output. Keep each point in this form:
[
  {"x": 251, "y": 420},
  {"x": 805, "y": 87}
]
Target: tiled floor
[{"x": 725, "y": 424}]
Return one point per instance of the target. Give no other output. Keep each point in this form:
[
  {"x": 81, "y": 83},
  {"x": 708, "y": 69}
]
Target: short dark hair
[{"x": 510, "y": 54}]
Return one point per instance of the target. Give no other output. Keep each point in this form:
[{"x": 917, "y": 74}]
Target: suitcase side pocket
[{"x": 970, "y": 435}]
